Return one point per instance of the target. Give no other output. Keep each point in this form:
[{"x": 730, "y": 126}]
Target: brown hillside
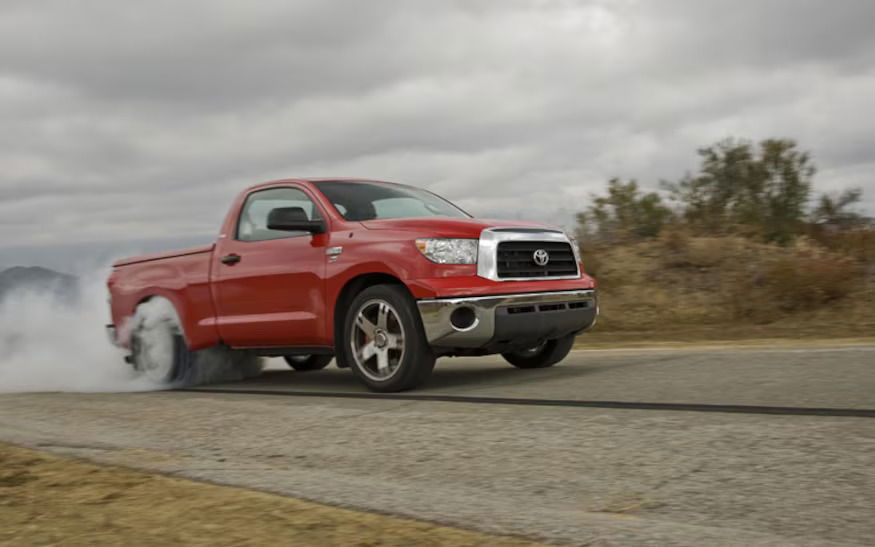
[{"x": 683, "y": 288}]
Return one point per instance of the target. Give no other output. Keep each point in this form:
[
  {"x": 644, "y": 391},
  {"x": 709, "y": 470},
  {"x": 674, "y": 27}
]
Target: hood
[{"x": 449, "y": 227}]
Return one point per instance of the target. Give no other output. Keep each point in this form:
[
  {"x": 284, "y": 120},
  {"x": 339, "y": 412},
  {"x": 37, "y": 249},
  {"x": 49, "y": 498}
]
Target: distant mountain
[{"x": 35, "y": 279}]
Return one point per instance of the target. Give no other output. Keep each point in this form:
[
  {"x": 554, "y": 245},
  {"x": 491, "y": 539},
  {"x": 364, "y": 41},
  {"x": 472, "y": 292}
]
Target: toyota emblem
[{"x": 541, "y": 257}]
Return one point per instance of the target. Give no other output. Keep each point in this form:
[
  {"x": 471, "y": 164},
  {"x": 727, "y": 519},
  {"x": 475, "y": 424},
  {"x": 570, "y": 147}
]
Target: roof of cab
[{"x": 312, "y": 179}]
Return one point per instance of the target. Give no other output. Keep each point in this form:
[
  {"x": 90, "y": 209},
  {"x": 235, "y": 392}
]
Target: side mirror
[{"x": 293, "y": 219}]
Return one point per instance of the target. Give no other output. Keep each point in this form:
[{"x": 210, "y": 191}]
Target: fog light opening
[{"x": 463, "y": 319}]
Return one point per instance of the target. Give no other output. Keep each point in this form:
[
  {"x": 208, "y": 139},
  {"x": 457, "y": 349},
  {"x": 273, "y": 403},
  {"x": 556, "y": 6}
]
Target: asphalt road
[{"x": 571, "y": 475}]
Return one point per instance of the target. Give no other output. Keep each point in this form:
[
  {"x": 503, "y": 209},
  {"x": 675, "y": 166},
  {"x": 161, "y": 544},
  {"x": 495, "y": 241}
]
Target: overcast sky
[{"x": 140, "y": 121}]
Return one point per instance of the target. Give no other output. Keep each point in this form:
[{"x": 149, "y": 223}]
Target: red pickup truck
[{"x": 382, "y": 277}]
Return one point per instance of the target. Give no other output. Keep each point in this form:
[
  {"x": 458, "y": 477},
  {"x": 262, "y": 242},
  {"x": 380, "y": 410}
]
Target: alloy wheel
[{"x": 377, "y": 340}]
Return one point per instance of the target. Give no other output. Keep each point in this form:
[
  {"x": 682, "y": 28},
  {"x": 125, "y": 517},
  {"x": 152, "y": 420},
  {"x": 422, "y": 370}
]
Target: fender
[
  {"x": 182, "y": 281},
  {"x": 336, "y": 284}
]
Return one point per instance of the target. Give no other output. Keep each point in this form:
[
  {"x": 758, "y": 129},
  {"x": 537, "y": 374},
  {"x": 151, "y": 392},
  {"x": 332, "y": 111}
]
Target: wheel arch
[
  {"x": 180, "y": 320},
  {"x": 353, "y": 287}
]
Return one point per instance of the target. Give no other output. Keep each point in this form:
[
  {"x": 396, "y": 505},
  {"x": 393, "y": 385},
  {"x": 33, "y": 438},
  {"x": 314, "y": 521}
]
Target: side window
[{"x": 252, "y": 224}]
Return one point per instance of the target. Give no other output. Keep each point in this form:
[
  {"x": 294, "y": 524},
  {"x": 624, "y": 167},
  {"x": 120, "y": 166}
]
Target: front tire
[
  {"x": 542, "y": 356},
  {"x": 303, "y": 363},
  {"x": 383, "y": 340}
]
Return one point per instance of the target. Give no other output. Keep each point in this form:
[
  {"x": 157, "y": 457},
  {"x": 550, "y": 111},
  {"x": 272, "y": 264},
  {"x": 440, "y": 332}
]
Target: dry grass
[
  {"x": 682, "y": 287},
  {"x": 857, "y": 243},
  {"x": 50, "y": 500}
]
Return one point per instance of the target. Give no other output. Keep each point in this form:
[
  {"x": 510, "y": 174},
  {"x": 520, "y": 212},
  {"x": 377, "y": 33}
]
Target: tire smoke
[
  {"x": 52, "y": 342},
  {"x": 157, "y": 317}
]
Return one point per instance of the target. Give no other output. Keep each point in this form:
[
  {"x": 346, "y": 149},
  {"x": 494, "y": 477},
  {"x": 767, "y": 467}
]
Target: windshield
[{"x": 380, "y": 200}]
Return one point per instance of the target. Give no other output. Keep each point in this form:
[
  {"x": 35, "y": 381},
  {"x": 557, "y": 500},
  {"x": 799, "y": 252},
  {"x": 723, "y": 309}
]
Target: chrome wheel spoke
[
  {"x": 382, "y": 316},
  {"x": 383, "y": 361},
  {"x": 394, "y": 341},
  {"x": 377, "y": 340},
  {"x": 367, "y": 351},
  {"x": 364, "y": 324}
]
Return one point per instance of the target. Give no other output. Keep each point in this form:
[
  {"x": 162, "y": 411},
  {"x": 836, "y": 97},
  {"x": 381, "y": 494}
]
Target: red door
[{"x": 269, "y": 285}]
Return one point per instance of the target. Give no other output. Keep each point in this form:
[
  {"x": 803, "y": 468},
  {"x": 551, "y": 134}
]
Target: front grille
[{"x": 516, "y": 259}]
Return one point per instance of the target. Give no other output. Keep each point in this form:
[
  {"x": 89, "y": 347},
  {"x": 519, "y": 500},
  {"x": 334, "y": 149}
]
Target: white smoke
[
  {"x": 223, "y": 365},
  {"x": 52, "y": 343},
  {"x": 206, "y": 366},
  {"x": 49, "y": 342}
]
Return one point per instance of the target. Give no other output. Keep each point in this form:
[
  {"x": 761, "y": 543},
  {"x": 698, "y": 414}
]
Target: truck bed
[
  {"x": 181, "y": 276},
  {"x": 164, "y": 254}
]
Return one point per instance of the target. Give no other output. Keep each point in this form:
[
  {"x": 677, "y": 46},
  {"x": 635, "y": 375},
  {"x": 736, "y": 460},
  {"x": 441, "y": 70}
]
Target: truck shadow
[
  {"x": 456, "y": 375},
  {"x": 475, "y": 377}
]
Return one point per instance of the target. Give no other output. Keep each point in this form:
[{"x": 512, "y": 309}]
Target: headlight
[{"x": 449, "y": 251}]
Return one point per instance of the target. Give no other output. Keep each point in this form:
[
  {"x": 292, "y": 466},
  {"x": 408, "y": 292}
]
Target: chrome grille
[
  {"x": 506, "y": 253},
  {"x": 515, "y": 259}
]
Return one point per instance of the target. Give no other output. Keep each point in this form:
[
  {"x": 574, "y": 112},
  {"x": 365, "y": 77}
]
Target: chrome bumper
[{"x": 538, "y": 313}]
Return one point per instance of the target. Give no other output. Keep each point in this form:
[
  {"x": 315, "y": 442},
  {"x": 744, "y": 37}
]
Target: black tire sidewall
[
  {"x": 553, "y": 352},
  {"x": 183, "y": 358},
  {"x": 313, "y": 362},
  {"x": 418, "y": 360}
]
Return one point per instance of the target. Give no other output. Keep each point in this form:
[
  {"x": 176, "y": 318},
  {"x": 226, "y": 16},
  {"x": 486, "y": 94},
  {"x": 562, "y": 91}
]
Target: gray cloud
[{"x": 126, "y": 122}]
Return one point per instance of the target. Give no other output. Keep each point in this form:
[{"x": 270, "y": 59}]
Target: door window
[{"x": 252, "y": 224}]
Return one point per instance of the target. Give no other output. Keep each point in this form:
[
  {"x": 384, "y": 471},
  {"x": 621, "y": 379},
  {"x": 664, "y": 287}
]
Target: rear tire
[
  {"x": 303, "y": 363},
  {"x": 546, "y": 355},
  {"x": 158, "y": 349},
  {"x": 383, "y": 340}
]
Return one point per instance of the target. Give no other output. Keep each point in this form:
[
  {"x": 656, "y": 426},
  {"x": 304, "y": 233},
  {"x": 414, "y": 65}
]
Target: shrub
[
  {"x": 858, "y": 243},
  {"x": 625, "y": 214},
  {"x": 680, "y": 250},
  {"x": 675, "y": 237},
  {"x": 592, "y": 262},
  {"x": 805, "y": 282}
]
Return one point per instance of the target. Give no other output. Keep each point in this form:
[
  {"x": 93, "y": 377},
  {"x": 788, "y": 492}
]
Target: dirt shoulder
[
  {"x": 47, "y": 499},
  {"x": 648, "y": 340}
]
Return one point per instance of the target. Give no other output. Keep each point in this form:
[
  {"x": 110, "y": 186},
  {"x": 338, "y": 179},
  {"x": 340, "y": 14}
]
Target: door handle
[{"x": 231, "y": 259}]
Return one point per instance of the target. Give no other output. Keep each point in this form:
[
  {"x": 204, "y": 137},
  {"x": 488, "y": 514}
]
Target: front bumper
[{"x": 508, "y": 319}]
